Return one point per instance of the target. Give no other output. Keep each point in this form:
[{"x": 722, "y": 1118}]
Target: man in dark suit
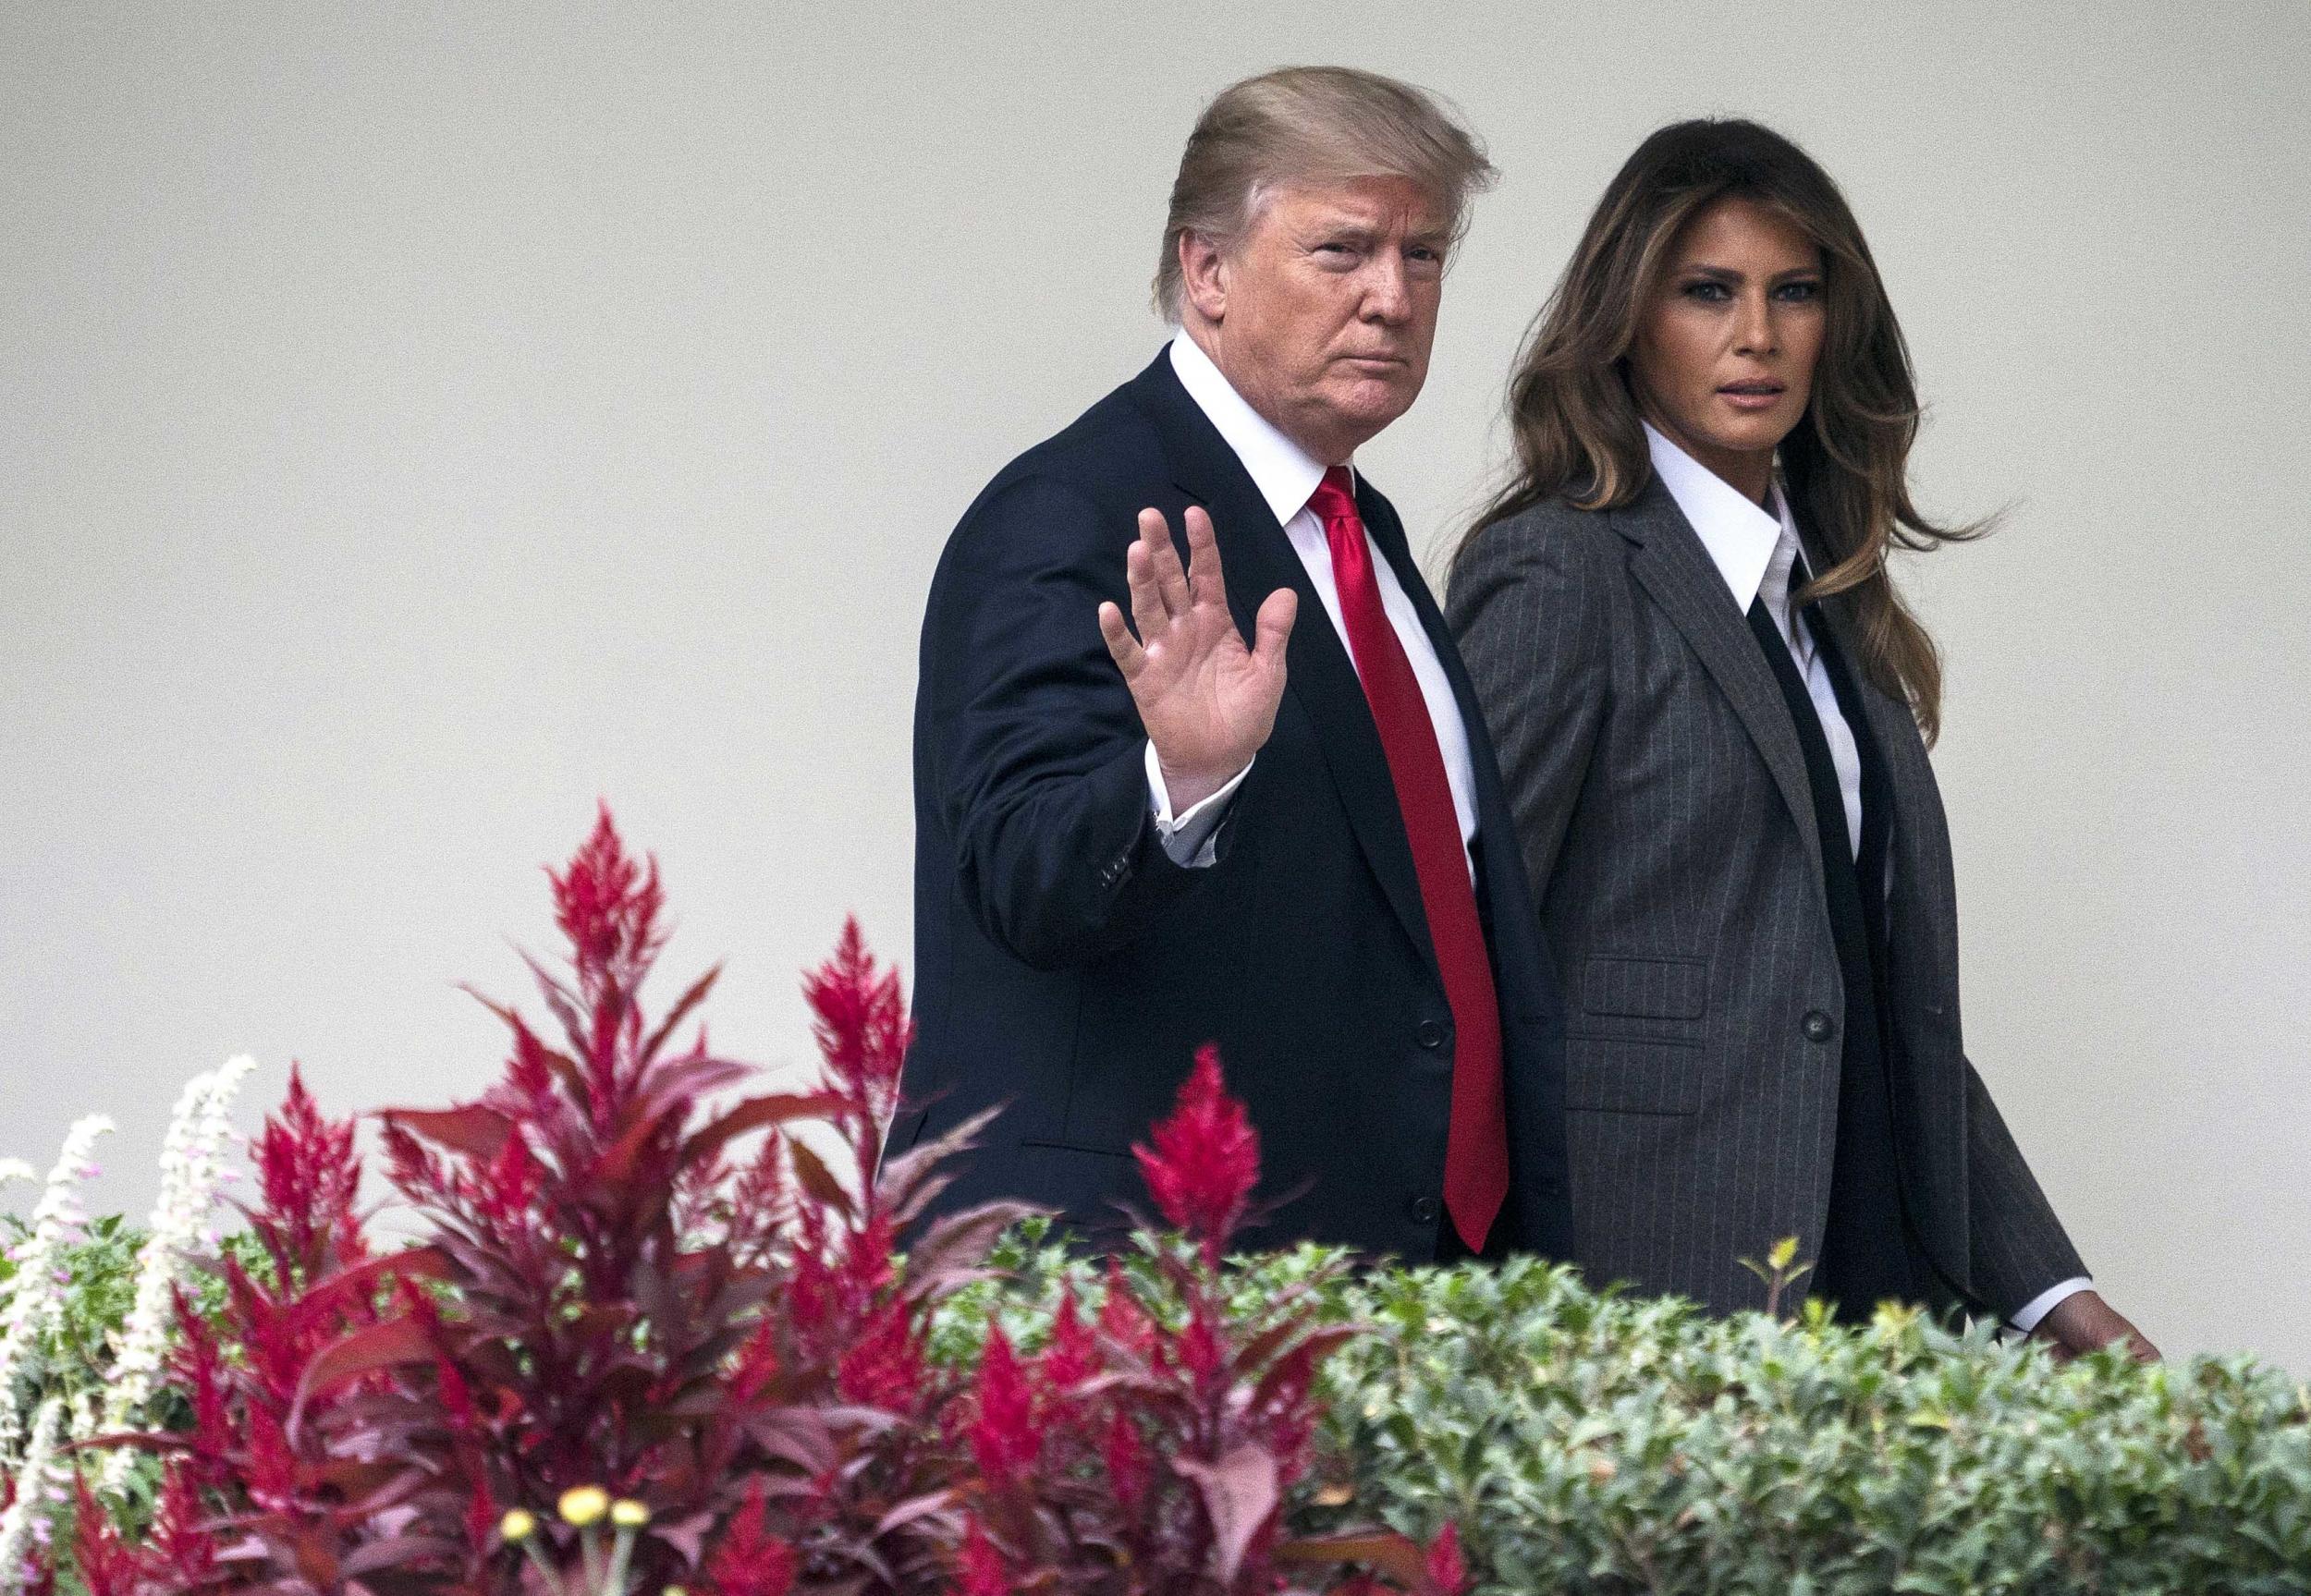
[{"x": 1134, "y": 836}]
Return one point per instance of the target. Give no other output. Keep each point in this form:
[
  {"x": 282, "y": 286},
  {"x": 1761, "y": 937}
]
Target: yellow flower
[
  {"x": 583, "y": 1505},
  {"x": 629, "y": 1515},
  {"x": 517, "y": 1525}
]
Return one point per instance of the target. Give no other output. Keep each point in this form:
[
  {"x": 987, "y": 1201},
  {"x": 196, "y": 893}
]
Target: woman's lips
[{"x": 1752, "y": 396}]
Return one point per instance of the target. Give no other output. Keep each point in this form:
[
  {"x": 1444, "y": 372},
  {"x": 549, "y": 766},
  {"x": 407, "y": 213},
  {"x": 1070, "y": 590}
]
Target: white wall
[{"x": 416, "y": 422}]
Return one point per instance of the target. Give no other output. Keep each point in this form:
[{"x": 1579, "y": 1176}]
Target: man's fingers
[
  {"x": 1171, "y": 576},
  {"x": 1206, "y": 583},
  {"x": 1148, "y": 612},
  {"x": 1273, "y": 627},
  {"x": 1122, "y": 647}
]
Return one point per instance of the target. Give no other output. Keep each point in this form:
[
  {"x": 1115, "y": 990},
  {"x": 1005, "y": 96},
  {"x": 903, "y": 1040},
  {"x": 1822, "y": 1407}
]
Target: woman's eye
[
  {"x": 1708, "y": 293},
  {"x": 1801, "y": 293}
]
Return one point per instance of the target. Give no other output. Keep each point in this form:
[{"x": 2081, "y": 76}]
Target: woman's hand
[{"x": 2084, "y": 1322}]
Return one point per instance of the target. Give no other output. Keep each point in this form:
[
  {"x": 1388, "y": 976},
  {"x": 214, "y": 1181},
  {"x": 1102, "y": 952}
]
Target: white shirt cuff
[
  {"x": 1190, "y": 840},
  {"x": 2025, "y": 1317}
]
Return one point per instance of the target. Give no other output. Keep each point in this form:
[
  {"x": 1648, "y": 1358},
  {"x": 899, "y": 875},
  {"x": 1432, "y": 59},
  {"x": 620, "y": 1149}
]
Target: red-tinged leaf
[
  {"x": 954, "y": 1248},
  {"x": 1318, "y": 1345},
  {"x": 361, "y": 1283},
  {"x": 390, "y": 1345},
  {"x": 1447, "y": 1571},
  {"x": 754, "y": 1115},
  {"x": 394, "y": 1551},
  {"x": 558, "y": 1003},
  {"x": 1240, "y": 1495},
  {"x": 679, "y": 1012},
  {"x": 1398, "y": 1556},
  {"x": 615, "y": 1169},
  {"x": 811, "y": 1174},
  {"x": 476, "y": 1131},
  {"x": 898, "y": 1172},
  {"x": 913, "y": 1508}
]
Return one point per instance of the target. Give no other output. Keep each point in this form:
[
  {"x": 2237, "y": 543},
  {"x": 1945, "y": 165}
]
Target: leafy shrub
[
  {"x": 1587, "y": 1442},
  {"x": 625, "y": 1356}
]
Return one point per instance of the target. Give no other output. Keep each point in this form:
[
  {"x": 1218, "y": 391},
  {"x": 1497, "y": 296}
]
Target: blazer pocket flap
[
  {"x": 1632, "y": 1077},
  {"x": 1646, "y": 988}
]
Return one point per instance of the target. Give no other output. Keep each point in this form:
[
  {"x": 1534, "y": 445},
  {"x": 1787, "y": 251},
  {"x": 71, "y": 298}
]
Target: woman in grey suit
[{"x": 1713, "y": 708}]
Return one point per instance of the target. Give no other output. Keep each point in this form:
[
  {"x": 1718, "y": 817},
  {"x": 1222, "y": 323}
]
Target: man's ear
[{"x": 1204, "y": 276}]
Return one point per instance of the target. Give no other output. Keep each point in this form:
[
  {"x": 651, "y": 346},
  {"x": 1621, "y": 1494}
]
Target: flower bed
[{"x": 656, "y": 1335}]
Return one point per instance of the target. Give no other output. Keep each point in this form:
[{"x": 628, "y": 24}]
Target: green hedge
[
  {"x": 1594, "y": 1443},
  {"x": 1590, "y": 1442}
]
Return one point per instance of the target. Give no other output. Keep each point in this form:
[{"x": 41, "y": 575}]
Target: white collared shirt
[
  {"x": 1286, "y": 476},
  {"x": 1753, "y": 552}
]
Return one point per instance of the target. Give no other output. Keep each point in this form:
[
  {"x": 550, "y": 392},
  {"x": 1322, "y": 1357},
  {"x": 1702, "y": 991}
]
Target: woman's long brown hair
[{"x": 1844, "y": 466}]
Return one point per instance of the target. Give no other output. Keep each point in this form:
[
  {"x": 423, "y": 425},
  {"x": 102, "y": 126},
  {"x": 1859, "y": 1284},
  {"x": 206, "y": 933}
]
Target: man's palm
[{"x": 1209, "y": 702}]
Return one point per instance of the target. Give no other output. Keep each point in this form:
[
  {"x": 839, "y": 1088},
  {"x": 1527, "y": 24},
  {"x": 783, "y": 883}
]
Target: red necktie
[{"x": 1476, "y": 1151}]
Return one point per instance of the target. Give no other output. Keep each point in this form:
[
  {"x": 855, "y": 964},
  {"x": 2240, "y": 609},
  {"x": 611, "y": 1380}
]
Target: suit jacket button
[
  {"x": 1426, "y": 1209},
  {"x": 1818, "y": 1026},
  {"x": 1431, "y": 1036}
]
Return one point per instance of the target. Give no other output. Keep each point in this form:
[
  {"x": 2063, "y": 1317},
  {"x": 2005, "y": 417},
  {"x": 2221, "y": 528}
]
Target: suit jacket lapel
[
  {"x": 1895, "y": 731},
  {"x": 1677, "y": 572},
  {"x": 1321, "y": 677}
]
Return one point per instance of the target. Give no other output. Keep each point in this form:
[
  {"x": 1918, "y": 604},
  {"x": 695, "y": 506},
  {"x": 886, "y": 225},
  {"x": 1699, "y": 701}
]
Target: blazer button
[
  {"x": 1431, "y": 1036},
  {"x": 1426, "y": 1209},
  {"x": 1818, "y": 1027}
]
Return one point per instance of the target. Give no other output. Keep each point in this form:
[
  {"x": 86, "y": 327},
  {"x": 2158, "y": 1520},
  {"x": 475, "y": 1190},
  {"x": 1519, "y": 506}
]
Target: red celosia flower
[
  {"x": 883, "y": 1365},
  {"x": 310, "y": 1178},
  {"x": 1205, "y": 1160},
  {"x": 1198, "y": 1346},
  {"x": 1004, "y": 1438},
  {"x": 867, "y": 1258},
  {"x": 1122, "y": 1317},
  {"x": 860, "y": 1024},
  {"x": 1128, "y": 1467},
  {"x": 108, "y": 1566},
  {"x": 1448, "y": 1574},
  {"x": 750, "y": 1560},
  {"x": 1074, "y": 1356},
  {"x": 982, "y": 1563},
  {"x": 607, "y": 907},
  {"x": 512, "y": 1185},
  {"x": 179, "y": 1541},
  {"x": 757, "y": 1365},
  {"x": 197, "y": 1367}
]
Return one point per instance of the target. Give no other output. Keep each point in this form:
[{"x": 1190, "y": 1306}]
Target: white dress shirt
[
  {"x": 1286, "y": 476},
  {"x": 1755, "y": 550}
]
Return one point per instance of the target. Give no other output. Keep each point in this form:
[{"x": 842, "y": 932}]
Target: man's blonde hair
[{"x": 1313, "y": 125}]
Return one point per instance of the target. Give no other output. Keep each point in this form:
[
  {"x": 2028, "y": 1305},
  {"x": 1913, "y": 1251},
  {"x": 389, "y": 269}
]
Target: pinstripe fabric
[{"x": 1664, "y": 815}]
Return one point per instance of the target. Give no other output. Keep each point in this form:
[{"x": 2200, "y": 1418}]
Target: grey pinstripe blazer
[{"x": 1662, "y": 808}]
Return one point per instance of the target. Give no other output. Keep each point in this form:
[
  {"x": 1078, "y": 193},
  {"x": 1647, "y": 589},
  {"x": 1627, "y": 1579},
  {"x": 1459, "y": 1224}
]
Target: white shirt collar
[
  {"x": 1285, "y": 473},
  {"x": 1745, "y": 541}
]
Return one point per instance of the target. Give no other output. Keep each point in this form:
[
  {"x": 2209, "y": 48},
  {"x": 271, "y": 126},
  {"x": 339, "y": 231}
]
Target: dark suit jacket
[
  {"x": 1667, "y": 826},
  {"x": 1067, "y": 968}
]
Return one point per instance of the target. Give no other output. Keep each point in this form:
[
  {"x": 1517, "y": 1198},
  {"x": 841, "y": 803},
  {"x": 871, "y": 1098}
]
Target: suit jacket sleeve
[
  {"x": 2019, "y": 1247},
  {"x": 1530, "y": 621},
  {"x": 1031, "y": 736}
]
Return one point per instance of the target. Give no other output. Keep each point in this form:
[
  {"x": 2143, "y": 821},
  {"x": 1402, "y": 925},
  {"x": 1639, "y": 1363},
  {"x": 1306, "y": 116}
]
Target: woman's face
[{"x": 1725, "y": 351}]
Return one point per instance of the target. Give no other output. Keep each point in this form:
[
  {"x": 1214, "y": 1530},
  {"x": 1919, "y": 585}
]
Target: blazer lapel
[
  {"x": 1677, "y": 571},
  {"x": 1321, "y": 678},
  {"x": 1895, "y": 730}
]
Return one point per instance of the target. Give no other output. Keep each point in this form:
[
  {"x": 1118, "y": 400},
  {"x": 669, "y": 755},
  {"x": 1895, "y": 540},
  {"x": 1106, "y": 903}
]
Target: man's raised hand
[{"x": 1207, "y": 701}]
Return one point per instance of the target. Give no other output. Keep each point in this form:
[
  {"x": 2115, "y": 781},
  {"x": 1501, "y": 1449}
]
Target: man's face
[{"x": 1323, "y": 313}]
